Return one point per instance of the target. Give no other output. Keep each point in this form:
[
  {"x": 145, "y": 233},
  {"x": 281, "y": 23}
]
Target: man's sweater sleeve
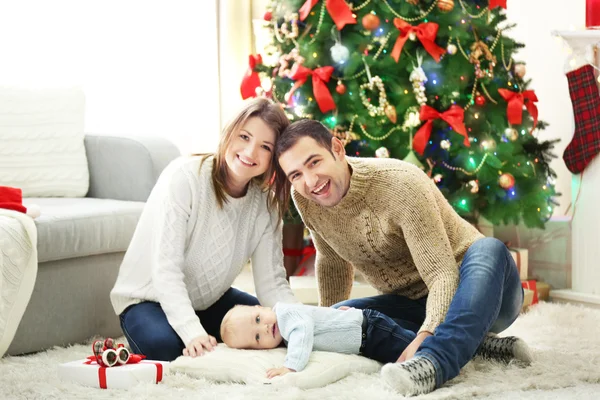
[
  {"x": 423, "y": 229},
  {"x": 267, "y": 266},
  {"x": 168, "y": 247},
  {"x": 299, "y": 328}
]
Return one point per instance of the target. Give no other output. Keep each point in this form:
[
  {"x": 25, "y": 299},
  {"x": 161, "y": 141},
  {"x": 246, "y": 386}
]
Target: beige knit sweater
[{"x": 394, "y": 226}]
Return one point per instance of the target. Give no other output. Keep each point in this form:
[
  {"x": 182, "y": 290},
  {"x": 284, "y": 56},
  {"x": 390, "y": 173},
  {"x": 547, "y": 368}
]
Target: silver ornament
[
  {"x": 339, "y": 53},
  {"x": 451, "y": 49},
  {"x": 445, "y": 144},
  {"x": 382, "y": 152}
]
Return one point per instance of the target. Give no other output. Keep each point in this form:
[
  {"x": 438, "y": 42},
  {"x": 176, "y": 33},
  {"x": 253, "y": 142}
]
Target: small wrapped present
[
  {"x": 112, "y": 366},
  {"x": 543, "y": 291},
  {"x": 521, "y": 257},
  {"x": 122, "y": 377},
  {"x": 531, "y": 285}
]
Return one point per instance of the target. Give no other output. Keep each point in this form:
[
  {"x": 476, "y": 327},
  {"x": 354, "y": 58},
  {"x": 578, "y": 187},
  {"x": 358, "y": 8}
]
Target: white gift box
[
  {"x": 521, "y": 257},
  {"x": 121, "y": 377}
]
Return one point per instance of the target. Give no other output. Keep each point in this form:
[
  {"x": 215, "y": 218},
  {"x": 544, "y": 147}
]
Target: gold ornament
[
  {"x": 474, "y": 186},
  {"x": 383, "y": 103},
  {"x": 520, "y": 70},
  {"x": 445, "y": 5},
  {"x": 451, "y": 49},
  {"x": 413, "y": 2},
  {"x": 479, "y": 49},
  {"x": 390, "y": 112},
  {"x": 511, "y": 134},
  {"x": 506, "y": 181},
  {"x": 488, "y": 144}
]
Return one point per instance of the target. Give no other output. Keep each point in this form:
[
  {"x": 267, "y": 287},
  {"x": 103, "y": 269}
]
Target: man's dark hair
[
  {"x": 280, "y": 185},
  {"x": 303, "y": 128}
]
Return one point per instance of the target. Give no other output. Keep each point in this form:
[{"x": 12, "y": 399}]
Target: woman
[{"x": 206, "y": 216}]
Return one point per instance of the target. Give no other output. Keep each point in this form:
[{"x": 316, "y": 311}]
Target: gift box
[
  {"x": 532, "y": 286},
  {"x": 521, "y": 257},
  {"x": 527, "y": 298},
  {"x": 118, "y": 377}
]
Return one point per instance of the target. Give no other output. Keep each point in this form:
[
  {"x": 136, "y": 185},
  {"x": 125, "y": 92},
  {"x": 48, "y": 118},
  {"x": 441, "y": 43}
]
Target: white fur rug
[{"x": 564, "y": 339}]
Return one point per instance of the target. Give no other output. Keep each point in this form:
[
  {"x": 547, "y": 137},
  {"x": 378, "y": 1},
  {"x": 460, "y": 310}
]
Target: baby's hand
[{"x": 273, "y": 372}]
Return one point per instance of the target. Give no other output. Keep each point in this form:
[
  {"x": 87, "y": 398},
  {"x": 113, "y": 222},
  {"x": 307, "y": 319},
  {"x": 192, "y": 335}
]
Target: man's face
[{"x": 315, "y": 173}]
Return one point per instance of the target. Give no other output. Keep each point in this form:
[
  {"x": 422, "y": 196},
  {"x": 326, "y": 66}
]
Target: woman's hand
[
  {"x": 199, "y": 345},
  {"x": 273, "y": 372}
]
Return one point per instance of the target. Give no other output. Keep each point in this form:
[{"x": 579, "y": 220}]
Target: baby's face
[{"x": 256, "y": 328}]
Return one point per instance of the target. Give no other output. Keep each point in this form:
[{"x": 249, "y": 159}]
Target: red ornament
[
  {"x": 480, "y": 100},
  {"x": 370, "y": 22},
  {"x": 340, "y": 88},
  {"x": 268, "y": 16}
]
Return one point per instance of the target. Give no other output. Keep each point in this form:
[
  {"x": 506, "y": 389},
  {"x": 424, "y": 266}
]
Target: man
[{"x": 440, "y": 278}]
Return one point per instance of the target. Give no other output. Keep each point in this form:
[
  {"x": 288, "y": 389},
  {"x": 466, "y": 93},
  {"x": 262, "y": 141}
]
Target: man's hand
[
  {"x": 199, "y": 345},
  {"x": 273, "y": 372},
  {"x": 412, "y": 348}
]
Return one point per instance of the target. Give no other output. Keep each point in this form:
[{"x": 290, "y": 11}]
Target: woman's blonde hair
[{"x": 271, "y": 114}]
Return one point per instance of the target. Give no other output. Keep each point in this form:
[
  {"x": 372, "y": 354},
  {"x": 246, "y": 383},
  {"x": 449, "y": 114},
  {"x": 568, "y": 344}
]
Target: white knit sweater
[{"x": 186, "y": 251}]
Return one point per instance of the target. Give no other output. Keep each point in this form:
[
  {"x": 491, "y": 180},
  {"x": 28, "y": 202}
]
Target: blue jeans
[
  {"x": 148, "y": 331},
  {"x": 384, "y": 339},
  {"x": 489, "y": 298}
]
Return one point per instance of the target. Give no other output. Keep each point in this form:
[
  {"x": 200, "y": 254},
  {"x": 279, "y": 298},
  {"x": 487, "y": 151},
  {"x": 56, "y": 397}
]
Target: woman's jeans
[
  {"x": 488, "y": 299},
  {"x": 149, "y": 333}
]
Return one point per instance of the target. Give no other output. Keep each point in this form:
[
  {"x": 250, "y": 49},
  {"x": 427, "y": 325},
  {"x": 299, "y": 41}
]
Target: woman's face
[{"x": 251, "y": 149}]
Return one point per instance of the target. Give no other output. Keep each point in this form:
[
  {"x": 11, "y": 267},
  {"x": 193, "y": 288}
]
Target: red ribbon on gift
[
  {"x": 516, "y": 100},
  {"x": 454, "y": 117},
  {"x": 425, "y": 32},
  {"x": 319, "y": 77},
  {"x": 496, "y": 3},
  {"x": 338, "y": 9},
  {"x": 251, "y": 81},
  {"x": 133, "y": 359},
  {"x": 306, "y": 252}
]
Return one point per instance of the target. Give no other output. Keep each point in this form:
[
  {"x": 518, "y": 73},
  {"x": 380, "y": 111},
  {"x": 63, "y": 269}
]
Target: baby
[{"x": 305, "y": 328}]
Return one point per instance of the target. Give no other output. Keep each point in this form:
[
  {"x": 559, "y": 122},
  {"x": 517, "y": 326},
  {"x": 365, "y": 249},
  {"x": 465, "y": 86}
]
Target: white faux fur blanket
[{"x": 18, "y": 271}]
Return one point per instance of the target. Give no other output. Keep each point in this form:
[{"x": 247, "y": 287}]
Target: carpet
[{"x": 564, "y": 340}]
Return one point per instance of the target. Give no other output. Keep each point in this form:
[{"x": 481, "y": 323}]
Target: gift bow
[
  {"x": 338, "y": 9},
  {"x": 251, "y": 81},
  {"x": 515, "y": 101},
  {"x": 425, "y": 32},
  {"x": 496, "y": 3},
  {"x": 319, "y": 77},
  {"x": 454, "y": 116}
]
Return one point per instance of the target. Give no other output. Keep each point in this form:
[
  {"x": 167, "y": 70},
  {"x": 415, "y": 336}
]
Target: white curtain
[{"x": 147, "y": 67}]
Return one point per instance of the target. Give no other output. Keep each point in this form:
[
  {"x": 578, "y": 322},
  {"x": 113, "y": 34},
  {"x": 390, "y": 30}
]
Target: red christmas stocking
[{"x": 585, "y": 97}]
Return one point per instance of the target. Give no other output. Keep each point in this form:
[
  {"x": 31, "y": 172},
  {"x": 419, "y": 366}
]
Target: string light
[{"x": 315, "y": 55}]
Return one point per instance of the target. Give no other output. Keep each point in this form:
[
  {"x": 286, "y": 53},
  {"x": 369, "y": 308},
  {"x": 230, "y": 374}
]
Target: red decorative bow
[
  {"x": 338, "y": 9},
  {"x": 516, "y": 101},
  {"x": 496, "y": 3},
  {"x": 454, "y": 116},
  {"x": 251, "y": 81},
  {"x": 425, "y": 32},
  {"x": 319, "y": 77}
]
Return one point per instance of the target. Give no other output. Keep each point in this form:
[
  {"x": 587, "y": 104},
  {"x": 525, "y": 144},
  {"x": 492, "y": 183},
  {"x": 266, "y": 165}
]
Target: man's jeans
[
  {"x": 488, "y": 299},
  {"x": 148, "y": 331}
]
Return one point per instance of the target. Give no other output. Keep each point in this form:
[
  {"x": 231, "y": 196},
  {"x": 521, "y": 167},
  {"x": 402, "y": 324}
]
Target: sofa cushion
[
  {"x": 78, "y": 227},
  {"x": 42, "y": 151}
]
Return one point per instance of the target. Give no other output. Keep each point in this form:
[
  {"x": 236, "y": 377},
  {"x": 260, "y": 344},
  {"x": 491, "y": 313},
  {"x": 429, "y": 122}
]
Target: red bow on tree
[
  {"x": 454, "y": 116},
  {"x": 319, "y": 77},
  {"x": 516, "y": 101},
  {"x": 425, "y": 32},
  {"x": 338, "y": 9},
  {"x": 496, "y": 3},
  {"x": 251, "y": 81}
]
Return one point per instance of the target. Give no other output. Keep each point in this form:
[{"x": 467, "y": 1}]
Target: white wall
[
  {"x": 545, "y": 57},
  {"x": 147, "y": 67}
]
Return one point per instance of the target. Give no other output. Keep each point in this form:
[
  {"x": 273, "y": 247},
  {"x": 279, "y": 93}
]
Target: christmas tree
[{"x": 431, "y": 82}]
